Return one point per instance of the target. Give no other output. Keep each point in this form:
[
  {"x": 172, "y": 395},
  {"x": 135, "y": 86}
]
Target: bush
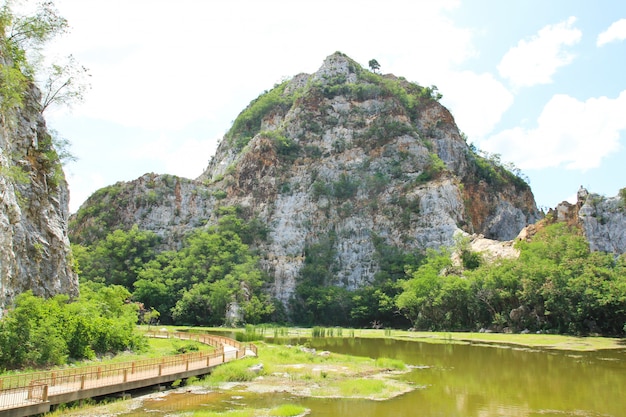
[
  {"x": 248, "y": 123},
  {"x": 39, "y": 332}
]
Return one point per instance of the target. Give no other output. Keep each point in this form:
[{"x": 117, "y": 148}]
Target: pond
[{"x": 454, "y": 380}]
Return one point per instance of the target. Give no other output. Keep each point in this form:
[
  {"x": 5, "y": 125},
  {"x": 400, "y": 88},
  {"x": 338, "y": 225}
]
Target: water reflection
[{"x": 455, "y": 380}]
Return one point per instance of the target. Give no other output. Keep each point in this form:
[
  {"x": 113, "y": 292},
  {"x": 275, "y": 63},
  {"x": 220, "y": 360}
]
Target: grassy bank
[
  {"x": 306, "y": 372},
  {"x": 545, "y": 341}
]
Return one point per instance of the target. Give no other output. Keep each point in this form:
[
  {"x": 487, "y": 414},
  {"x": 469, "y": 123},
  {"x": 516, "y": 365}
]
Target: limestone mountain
[
  {"x": 34, "y": 244},
  {"x": 344, "y": 159}
]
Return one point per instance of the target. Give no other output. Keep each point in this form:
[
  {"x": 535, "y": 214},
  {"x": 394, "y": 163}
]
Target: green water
[{"x": 455, "y": 380}]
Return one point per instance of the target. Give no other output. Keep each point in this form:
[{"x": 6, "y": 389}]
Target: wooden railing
[{"x": 28, "y": 388}]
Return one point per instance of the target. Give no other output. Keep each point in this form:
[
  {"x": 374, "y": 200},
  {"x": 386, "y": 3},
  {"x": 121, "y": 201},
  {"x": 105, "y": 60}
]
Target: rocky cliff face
[
  {"x": 342, "y": 155},
  {"x": 34, "y": 244},
  {"x": 602, "y": 220}
]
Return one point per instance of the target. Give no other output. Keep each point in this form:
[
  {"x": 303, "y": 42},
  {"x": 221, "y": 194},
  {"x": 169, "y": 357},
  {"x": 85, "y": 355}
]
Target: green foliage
[
  {"x": 392, "y": 364},
  {"x": 21, "y": 39},
  {"x": 286, "y": 148},
  {"x": 622, "y": 195},
  {"x": 234, "y": 371},
  {"x": 220, "y": 194},
  {"x": 320, "y": 300},
  {"x": 39, "y": 332},
  {"x": 15, "y": 173},
  {"x": 382, "y": 130},
  {"x": 361, "y": 387},
  {"x": 97, "y": 216},
  {"x": 490, "y": 168},
  {"x": 374, "y": 65},
  {"x": 345, "y": 187},
  {"x": 251, "y": 334},
  {"x": 287, "y": 410},
  {"x": 196, "y": 284},
  {"x": 377, "y": 183},
  {"x": 432, "y": 170},
  {"x": 248, "y": 123},
  {"x": 66, "y": 84},
  {"x": 118, "y": 258},
  {"x": 556, "y": 285}
]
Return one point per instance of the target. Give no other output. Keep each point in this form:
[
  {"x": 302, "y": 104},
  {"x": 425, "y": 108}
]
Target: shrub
[{"x": 248, "y": 123}]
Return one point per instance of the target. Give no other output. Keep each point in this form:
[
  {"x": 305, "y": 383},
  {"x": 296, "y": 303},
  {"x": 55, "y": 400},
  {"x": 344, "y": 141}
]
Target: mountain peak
[{"x": 337, "y": 65}]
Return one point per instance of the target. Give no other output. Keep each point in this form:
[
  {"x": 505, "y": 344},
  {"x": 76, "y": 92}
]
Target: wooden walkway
[{"x": 34, "y": 393}]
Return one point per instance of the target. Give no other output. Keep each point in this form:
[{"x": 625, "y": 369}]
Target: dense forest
[{"x": 556, "y": 285}]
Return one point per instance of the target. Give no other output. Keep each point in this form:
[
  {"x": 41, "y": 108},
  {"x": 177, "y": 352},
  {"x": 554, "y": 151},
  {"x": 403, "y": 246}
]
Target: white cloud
[
  {"x": 82, "y": 187},
  {"x": 615, "y": 32},
  {"x": 534, "y": 61},
  {"x": 477, "y": 101},
  {"x": 569, "y": 133},
  {"x": 168, "y": 77},
  {"x": 186, "y": 157},
  {"x": 162, "y": 65}
]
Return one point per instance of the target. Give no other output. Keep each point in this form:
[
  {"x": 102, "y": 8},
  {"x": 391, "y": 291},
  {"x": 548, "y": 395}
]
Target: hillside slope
[{"x": 343, "y": 161}]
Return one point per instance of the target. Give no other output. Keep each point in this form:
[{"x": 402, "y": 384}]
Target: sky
[{"x": 541, "y": 83}]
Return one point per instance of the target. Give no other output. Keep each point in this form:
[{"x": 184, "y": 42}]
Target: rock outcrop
[
  {"x": 342, "y": 155},
  {"x": 34, "y": 245},
  {"x": 601, "y": 219}
]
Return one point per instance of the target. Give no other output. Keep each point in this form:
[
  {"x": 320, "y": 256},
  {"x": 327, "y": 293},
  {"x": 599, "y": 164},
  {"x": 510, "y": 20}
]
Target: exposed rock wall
[
  {"x": 604, "y": 223},
  {"x": 34, "y": 244},
  {"x": 602, "y": 220}
]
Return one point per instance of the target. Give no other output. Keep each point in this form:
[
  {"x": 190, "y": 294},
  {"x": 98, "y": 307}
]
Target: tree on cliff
[
  {"x": 374, "y": 65},
  {"x": 22, "y": 38}
]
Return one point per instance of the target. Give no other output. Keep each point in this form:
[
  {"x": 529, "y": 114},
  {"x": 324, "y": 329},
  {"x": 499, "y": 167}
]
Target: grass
[
  {"x": 304, "y": 372},
  {"x": 547, "y": 341},
  {"x": 287, "y": 410},
  {"x": 234, "y": 371},
  {"x": 90, "y": 408},
  {"x": 392, "y": 364},
  {"x": 157, "y": 348}
]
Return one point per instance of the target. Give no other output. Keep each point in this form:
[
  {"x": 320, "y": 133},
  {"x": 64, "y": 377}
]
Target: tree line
[{"x": 556, "y": 285}]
